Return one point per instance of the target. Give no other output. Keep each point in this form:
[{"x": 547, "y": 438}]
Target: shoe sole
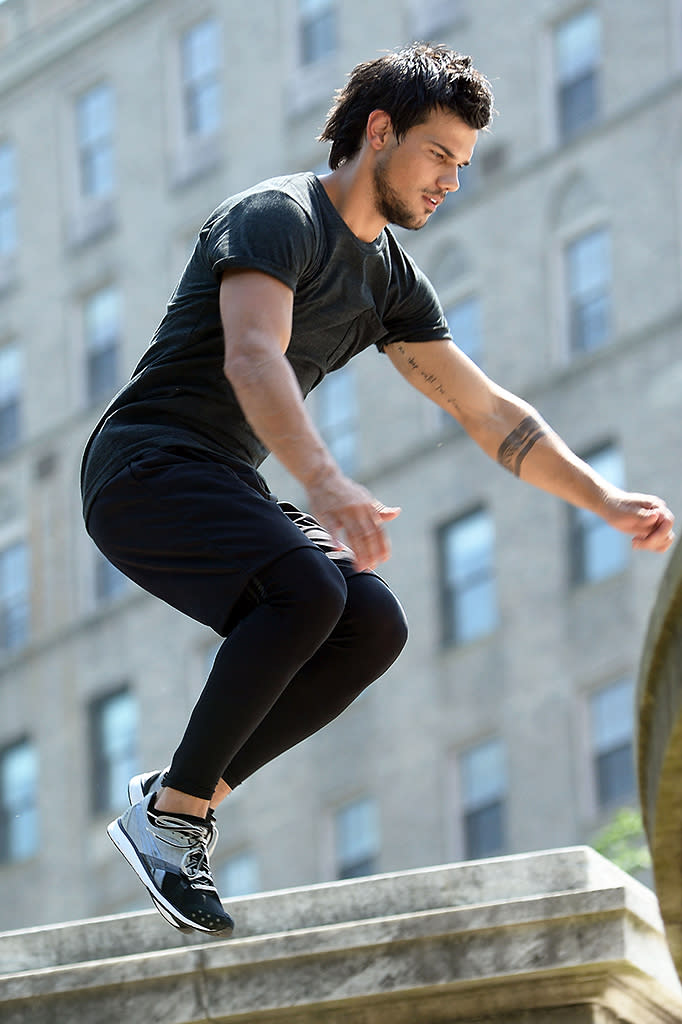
[
  {"x": 136, "y": 792},
  {"x": 123, "y": 844}
]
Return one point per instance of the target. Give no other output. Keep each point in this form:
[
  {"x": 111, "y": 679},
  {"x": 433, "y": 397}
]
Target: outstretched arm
[{"x": 512, "y": 432}]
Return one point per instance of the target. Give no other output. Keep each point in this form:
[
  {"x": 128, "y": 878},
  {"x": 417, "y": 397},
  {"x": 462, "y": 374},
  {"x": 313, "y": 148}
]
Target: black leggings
[
  {"x": 310, "y": 643},
  {"x": 304, "y": 634}
]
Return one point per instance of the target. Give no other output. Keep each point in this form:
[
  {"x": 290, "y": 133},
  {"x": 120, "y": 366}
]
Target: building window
[
  {"x": 95, "y": 133},
  {"x": 612, "y": 724},
  {"x": 464, "y": 321},
  {"x": 18, "y": 802},
  {"x": 317, "y": 30},
  {"x": 8, "y": 201},
  {"x": 200, "y": 68},
  {"x": 113, "y": 731},
  {"x": 10, "y": 396},
  {"x": 109, "y": 581},
  {"x": 467, "y": 560},
  {"x": 598, "y": 550},
  {"x": 357, "y": 839},
  {"x": 588, "y": 284},
  {"x": 14, "y": 597},
  {"x": 483, "y": 775},
  {"x": 239, "y": 876},
  {"x": 577, "y": 48},
  {"x": 337, "y": 416},
  {"x": 102, "y": 332}
]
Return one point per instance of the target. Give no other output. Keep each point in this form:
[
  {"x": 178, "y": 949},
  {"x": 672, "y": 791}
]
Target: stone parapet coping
[{"x": 530, "y": 934}]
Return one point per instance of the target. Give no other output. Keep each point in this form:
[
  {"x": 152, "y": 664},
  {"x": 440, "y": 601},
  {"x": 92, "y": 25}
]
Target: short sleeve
[
  {"x": 266, "y": 231},
  {"x": 418, "y": 315}
]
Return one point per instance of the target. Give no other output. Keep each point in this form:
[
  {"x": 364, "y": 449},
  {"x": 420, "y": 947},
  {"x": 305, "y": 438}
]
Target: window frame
[
  {"x": 11, "y": 408},
  {"x": 450, "y": 636},
  {"x": 571, "y": 301},
  {"x": 12, "y": 813},
  {"x": 367, "y": 862},
  {"x": 598, "y": 751},
  {"x": 15, "y": 602},
  {"x": 584, "y": 524},
  {"x": 566, "y": 134},
  {"x": 101, "y": 797},
  {"x": 497, "y": 801}
]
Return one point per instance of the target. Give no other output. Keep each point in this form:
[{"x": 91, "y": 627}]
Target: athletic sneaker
[
  {"x": 142, "y": 785},
  {"x": 139, "y": 787},
  {"x": 169, "y": 854}
]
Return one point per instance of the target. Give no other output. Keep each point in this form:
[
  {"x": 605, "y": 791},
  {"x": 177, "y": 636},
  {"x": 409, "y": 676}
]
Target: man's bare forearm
[
  {"x": 271, "y": 400},
  {"x": 520, "y": 440}
]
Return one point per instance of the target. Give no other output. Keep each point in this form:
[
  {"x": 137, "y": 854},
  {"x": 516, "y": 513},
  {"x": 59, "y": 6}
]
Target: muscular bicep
[
  {"x": 256, "y": 313},
  {"x": 448, "y": 377}
]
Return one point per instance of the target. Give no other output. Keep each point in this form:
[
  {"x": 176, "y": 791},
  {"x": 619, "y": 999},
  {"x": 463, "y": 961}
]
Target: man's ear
[{"x": 379, "y": 129}]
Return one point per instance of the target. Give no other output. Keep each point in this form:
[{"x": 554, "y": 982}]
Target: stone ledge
[{"x": 487, "y": 939}]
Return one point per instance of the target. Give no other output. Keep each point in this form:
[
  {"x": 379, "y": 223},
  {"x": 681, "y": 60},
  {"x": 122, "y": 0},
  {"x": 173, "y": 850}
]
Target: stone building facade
[{"x": 506, "y": 725}]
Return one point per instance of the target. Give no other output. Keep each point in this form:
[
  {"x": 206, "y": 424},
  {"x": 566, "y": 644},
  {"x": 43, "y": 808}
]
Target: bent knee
[
  {"x": 378, "y": 614},
  {"x": 307, "y": 582}
]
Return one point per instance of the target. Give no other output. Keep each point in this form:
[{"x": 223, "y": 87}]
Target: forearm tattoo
[{"x": 516, "y": 445}]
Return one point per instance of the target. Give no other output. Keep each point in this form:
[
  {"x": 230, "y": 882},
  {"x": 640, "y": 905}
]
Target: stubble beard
[{"x": 390, "y": 205}]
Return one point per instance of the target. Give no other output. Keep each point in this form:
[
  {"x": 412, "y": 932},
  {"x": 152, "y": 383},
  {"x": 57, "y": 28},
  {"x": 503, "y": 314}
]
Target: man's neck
[{"x": 351, "y": 191}]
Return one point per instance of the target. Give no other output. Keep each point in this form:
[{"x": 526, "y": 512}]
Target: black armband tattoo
[{"x": 516, "y": 446}]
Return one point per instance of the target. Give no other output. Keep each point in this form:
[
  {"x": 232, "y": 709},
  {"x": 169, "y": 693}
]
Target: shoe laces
[{"x": 194, "y": 864}]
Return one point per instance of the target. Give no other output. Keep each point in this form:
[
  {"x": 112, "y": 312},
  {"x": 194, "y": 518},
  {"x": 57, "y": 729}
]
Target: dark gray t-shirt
[{"x": 348, "y": 295}]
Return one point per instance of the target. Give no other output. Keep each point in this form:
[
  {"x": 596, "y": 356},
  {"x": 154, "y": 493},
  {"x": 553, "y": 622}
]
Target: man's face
[{"x": 411, "y": 179}]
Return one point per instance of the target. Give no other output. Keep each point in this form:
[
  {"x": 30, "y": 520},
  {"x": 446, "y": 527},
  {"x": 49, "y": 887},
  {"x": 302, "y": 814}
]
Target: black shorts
[{"x": 194, "y": 531}]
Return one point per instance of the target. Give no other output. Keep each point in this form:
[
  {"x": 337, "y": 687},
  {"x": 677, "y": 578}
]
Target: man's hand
[
  {"x": 345, "y": 507},
  {"x": 644, "y": 516}
]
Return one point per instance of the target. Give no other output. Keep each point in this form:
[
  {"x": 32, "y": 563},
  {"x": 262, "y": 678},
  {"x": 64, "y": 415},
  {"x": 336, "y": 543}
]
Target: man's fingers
[{"x": 386, "y": 514}]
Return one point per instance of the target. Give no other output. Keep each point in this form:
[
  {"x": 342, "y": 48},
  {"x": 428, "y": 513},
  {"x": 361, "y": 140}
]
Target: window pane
[
  {"x": 114, "y": 755},
  {"x": 357, "y": 839},
  {"x": 588, "y": 270},
  {"x": 18, "y": 798},
  {"x": 201, "y": 63},
  {"x": 599, "y": 550},
  {"x": 102, "y": 332},
  {"x": 612, "y": 728},
  {"x": 483, "y": 775},
  {"x": 14, "y": 597},
  {"x": 578, "y": 45},
  {"x": 578, "y": 56},
  {"x": 467, "y": 567},
  {"x": 615, "y": 776},
  {"x": 94, "y": 123},
  {"x": 239, "y": 876},
  {"x": 475, "y": 611},
  {"x": 109, "y": 582},
  {"x": 10, "y": 392},
  {"x": 612, "y": 715},
  {"x": 317, "y": 29},
  {"x": 337, "y": 415},
  {"x": 8, "y": 226},
  {"x": 484, "y": 832}
]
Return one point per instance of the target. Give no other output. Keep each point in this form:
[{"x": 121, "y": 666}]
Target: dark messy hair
[{"x": 408, "y": 84}]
